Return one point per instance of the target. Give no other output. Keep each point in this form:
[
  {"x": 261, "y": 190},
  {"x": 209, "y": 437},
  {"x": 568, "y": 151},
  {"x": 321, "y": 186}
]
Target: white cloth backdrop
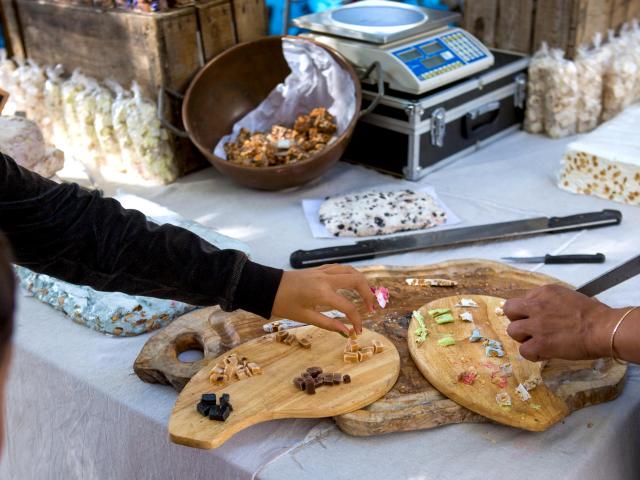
[{"x": 77, "y": 411}]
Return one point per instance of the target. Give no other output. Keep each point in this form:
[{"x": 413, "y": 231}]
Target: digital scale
[
  {"x": 415, "y": 47},
  {"x": 431, "y": 92}
]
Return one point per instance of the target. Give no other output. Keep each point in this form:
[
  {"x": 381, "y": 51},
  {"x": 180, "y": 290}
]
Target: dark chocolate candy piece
[
  {"x": 328, "y": 378},
  {"x": 310, "y": 386},
  {"x": 209, "y": 398},
  {"x": 314, "y": 371},
  {"x": 337, "y": 378},
  {"x": 203, "y": 409},
  {"x": 214, "y": 412},
  {"x": 319, "y": 380},
  {"x": 305, "y": 375},
  {"x": 224, "y": 398},
  {"x": 225, "y": 411},
  {"x": 299, "y": 383},
  {"x": 346, "y": 378}
]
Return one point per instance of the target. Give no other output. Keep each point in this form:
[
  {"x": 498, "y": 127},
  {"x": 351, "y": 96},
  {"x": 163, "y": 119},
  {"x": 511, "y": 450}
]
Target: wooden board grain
[
  {"x": 272, "y": 395},
  {"x": 442, "y": 366},
  {"x": 413, "y": 403},
  {"x": 250, "y": 17},
  {"x": 216, "y": 27}
]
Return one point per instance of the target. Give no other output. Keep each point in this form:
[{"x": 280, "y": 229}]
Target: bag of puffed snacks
[
  {"x": 590, "y": 65},
  {"x": 536, "y": 90},
  {"x": 54, "y": 106},
  {"x": 561, "y": 100},
  {"x": 152, "y": 144},
  {"x": 103, "y": 97},
  {"x": 620, "y": 76}
]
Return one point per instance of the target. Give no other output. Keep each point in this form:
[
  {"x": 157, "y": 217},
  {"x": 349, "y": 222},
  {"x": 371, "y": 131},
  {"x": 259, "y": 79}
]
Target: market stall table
[{"x": 76, "y": 409}]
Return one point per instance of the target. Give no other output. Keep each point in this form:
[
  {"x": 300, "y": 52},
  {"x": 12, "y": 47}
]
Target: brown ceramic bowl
[{"x": 233, "y": 84}]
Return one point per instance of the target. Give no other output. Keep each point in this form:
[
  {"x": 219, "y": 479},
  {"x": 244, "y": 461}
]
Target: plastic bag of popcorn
[
  {"x": 152, "y": 143},
  {"x": 7, "y": 81},
  {"x": 536, "y": 90},
  {"x": 561, "y": 100},
  {"x": 103, "y": 126},
  {"x": 590, "y": 65},
  {"x": 85, "y": 110},
  {"x": 128, "y": 154},
  {"x": 32, "y": 79},
  {"x": 619, "y": 77},
  {"x": 54, "y": 106}
]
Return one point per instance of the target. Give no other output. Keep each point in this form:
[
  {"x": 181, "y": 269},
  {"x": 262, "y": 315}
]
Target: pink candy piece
[{"x": 382, "y": 295}]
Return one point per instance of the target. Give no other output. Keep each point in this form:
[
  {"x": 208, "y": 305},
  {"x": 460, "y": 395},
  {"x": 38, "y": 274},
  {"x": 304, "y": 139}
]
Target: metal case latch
[
  {"x": 520, "y": 93},
  {"x": 438, "y": 127}
]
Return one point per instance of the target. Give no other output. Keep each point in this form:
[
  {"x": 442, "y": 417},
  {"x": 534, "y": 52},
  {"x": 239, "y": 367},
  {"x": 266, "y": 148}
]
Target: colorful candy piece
[
  {"x": 476, "y": 336},
  {"x": 446, "y": 341},
  {"x": 523, "y": 393},
  {"x": 466, "y": 316},
  {"x": 492, "y": 343},
  {"x": 469, "y": 376},
  {"x": 382, "y": 295},
  {"x": 467, "y": 302},
  {"x": 503, "y": 399},
  {"x": 421, "y": 332},
  {"x": 493, "y": 352}
]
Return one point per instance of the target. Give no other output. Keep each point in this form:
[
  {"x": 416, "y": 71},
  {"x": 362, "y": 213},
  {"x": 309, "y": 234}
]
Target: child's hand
[{"x": 300, "y": 292}]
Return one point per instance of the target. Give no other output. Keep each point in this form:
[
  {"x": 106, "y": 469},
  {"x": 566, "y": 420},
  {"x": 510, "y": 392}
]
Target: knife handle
[
  {"x": 339, "y": 254},
  {"x": 583, "y": 258},
  {"x": 586, "y": 220}
]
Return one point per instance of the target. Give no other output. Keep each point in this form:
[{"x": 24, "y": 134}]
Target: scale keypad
[{"x": 440, "y": 55}]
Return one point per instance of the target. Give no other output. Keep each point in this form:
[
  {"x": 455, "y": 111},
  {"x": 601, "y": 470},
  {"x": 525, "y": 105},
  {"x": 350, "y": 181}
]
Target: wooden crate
[
  {"x": 522, "y": 25},
  {"x": 154, "y": 49}
]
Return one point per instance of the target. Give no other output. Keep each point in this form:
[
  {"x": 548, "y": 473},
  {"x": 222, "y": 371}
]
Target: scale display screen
[
  {"x": 410, "y": 55},
  {"x": 430, "y": 48},
  {"x": 432, "y": 62}
]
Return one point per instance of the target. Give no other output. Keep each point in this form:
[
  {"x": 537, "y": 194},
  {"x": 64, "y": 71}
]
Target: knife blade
[
  {"x": 367, "y": 249},
  {"x": 613, "y": 277},
  {"x": 559, "y": 259}
]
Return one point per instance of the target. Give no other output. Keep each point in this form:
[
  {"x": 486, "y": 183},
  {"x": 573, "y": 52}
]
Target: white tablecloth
[{"x": 77, "y": 411}]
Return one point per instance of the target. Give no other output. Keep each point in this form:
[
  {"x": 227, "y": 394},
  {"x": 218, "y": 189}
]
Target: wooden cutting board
[
  {"x": 413, "y": 403},
  {"x": 272, "y": 395},
  {"x": 442, "y": 366}
]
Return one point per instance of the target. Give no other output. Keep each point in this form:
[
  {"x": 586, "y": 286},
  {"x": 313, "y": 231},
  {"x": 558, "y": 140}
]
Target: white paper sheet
[
  {"x": 316, "y": 80},
  {"x": 311, "y": 207}
]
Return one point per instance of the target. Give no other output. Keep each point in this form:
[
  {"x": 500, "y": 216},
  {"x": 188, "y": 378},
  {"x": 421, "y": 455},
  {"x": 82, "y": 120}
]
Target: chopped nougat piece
[
  {"x": 241, "y": 373},
  {"x": 352, "y": 346},
  {"x": 290, "y": 338},
  {"x": 351, "y": 357},
  {"x": 281, "y": 335},
  {"x": 305, "y": 342},
  {"x": 366, "y": 354},
  {"x": 378, "y": 346},
  {"x": 254, "y": 368}
]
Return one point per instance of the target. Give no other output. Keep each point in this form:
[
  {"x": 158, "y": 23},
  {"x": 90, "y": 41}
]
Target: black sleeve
[{"x": 78, "y": 236}]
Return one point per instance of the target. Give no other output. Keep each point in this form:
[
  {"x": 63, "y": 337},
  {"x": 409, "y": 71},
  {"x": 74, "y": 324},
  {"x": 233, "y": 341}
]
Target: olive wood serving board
[
  {"x": 272, "y": 394},
  {"x": 413, "y": 403},
  {"x": 443, "y": 365}
]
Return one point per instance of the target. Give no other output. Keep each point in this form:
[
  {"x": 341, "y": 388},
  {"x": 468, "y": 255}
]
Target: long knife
[
  {"x": 367, "y": 249},
  {"x": 613, "y": 277}
]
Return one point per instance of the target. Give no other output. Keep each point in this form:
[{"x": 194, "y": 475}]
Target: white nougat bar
[{"x": 606, "y": 162}]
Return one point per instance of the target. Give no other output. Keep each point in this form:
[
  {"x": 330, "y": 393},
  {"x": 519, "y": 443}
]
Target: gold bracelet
[{"x": 613, "y": 336}]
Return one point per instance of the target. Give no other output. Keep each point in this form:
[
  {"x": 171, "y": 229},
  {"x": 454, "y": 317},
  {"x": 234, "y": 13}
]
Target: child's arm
[{"x": 78, "y": 236}]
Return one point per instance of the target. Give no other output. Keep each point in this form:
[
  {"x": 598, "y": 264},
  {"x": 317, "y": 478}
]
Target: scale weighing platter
[
  {"x": 376, "y": 21},
  {"x": 416, "y": 49}
]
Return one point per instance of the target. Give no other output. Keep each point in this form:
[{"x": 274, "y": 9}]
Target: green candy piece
[
  {"x": 446, "y": 341},
  {"x": 421, "y": 331},
  {"x": 436, "y": 312},
  {"x": 444, "y": 318}
]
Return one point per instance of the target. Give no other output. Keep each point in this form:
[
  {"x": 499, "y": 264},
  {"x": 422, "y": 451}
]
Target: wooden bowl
[{"x": 236, "y": 82}]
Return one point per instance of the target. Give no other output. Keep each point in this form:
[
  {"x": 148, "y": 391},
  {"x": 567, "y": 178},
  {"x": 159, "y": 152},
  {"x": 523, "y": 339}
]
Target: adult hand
[
  {"x": 556, "y": 322},
  {"x": 300, "y": 292}
]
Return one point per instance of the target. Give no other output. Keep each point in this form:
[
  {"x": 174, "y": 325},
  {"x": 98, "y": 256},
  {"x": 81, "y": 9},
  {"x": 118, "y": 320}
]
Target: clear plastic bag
[
  {"x": 561, "y": 100},
  {"x": 32, "y": 80},
  {"x": 54, "y": 106},
  {"x": 128, "y": 155},
  {"x": 635, "y": 49},
  {"x": 103, "y": 125},
  {"x": 7, "y": 81},
  {"x": 590, "y": 65},
  {"x": 619, "y": 78},
  {"x": 70, "y": 90},
  {"x": 152, "y": 143},
  {"x": 87, "y": 144},
  {"x": 536, "y": 90}
]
